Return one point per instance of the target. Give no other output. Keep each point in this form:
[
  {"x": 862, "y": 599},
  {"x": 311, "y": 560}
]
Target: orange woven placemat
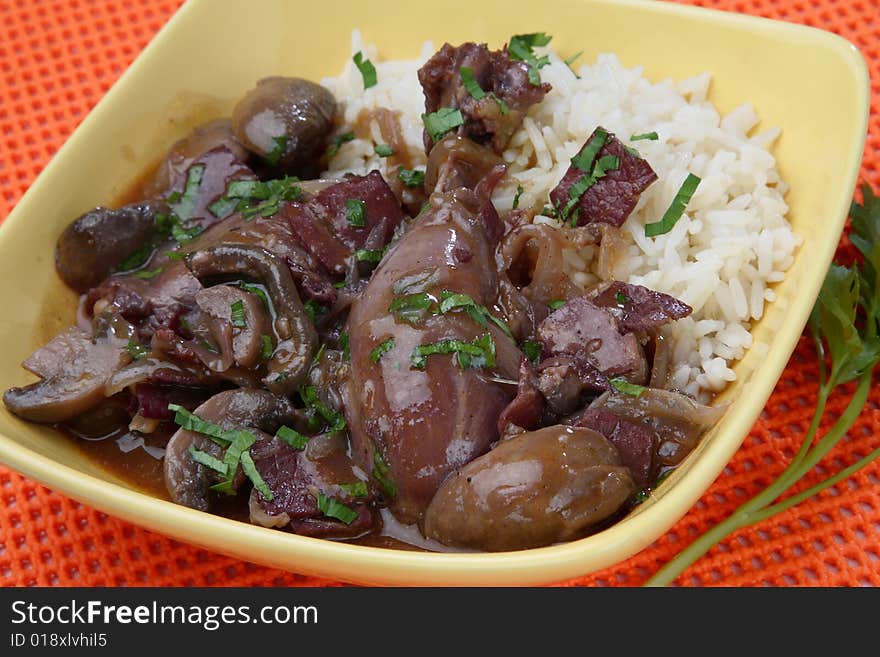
[{"x": 58, "y": 57}]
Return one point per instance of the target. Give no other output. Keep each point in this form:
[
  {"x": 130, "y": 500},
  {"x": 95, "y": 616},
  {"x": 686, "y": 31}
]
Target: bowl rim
[{"x": 368, "y": 564}]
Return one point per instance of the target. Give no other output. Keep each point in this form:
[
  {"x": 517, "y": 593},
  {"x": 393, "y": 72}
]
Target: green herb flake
[
  {"x": 384, "y": 150},
  {"x": 147, "y": 274},
  {"x": 571, "y": 60},
  {"x": 356, "y": 489},
  {"x": 381, "y": 473},
  {"x": 676, "y": 208},
  {"x": 556, "y": 304},
  {"x": 584, "y": 159},
  {"x": 519, "y": 191},
  {"x": 250, "y": 469},
  {"x": 532, "y": 350},
  {"x": 184, "y": 204},
  {"x": 237, "y": 316},
  {"x": 338, "y": 141},
  {"x": 442, "y": 121},
  {"x": 369, "y": 255},
  {"x": 411, "y": 307},
  {"x": 314, "y": 310},
  {"x": 292, "y": 437},
  {"x": 316, "y": 408},
  {"x": 470, "y": 83},
  {"x": 521, "y": 48},
  {"x": 333, "y": 508},
  {"x": 136, "y": 350},
  {"x": 268, "y": 347},
  {"x": 480, "y": 314},
  {"x": 191, "y": 422},
  {"x": 257, "y": 290},
  {"x": 278, "y": 149},
  {"x": 501, "y": 104},
  {"x": 223, "y": 207},
  {"x": 480, "y": 352},
  {"x": 203, "y": 458},
  {"x": 411, "y": 177},
  {"x": 344, "y": 346},
  {"x": 356, "y": 212},
  {"x": 368, "y": 71},
  {"x": 381, "y": 349},
  {"x": 622, "y": 298},
  {"x": 650, "y": 136},
  {"x": 137, "y": 259},
  {"x": 627, "y": 388}
]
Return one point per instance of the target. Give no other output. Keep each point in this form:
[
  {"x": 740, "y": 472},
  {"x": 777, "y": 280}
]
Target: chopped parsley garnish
[
  {"x": 381, "y": 474},
  {"x": 411, "y": 307},
  {"x": 470, "y": 83},
  {"x": 627, "y": 388},
  {"x": 384, "y": 150},
  {"x": 185, "y": 203},
  {"x": 532, "y": 350},
  {"x": 584, "y": 159},
  {"x": 356, "y": 488},
  {"x": 417, "y": 282},
  {"x": 368, "y": 71},
  {"x": 652, "y": 136},
  {"x": 344, "y": 346},
  {"x": 479, "y": 352},
  {"x": 369, "y": 255},
  {"x": 411, "y": 177},
  {"x": 260, "y": 292},
  {"x": 314, "y": 309},
  {"x": 250, "y": 469},
  {"x": 186, "y": 420},
  {"x": 147, "y": 274},
  {"x": 317, "y": 409},
  {"x": 268, "y": 347},
  {"x": 138, "y": 258},
  {"x": 333, "y": 508},
  {"x": 278, "y": 149},
  {"x": 207, "y": 460},
  {"x": 480, "y": 314},
  {"x": 136, "y": 350},
  {"x": 521, "y": 47},
  {"x": 501, "y": 104},
  {"x": 338, "y": 141},
  {"x": 571, "y": 60},
  {"x": 594, "y": 170},
  {"x": 381, "y": 349},
  {"x": 292, "y": 437},
  {"x": 519, "y": 191},
  {"x": 355, "y": 212},
  {"x": 236, "y": 314},
  {"x": 442, "y": 121},
  {"x": 622, "y": 298},
  {"x": 676, "y": 208},
  {"x": 556, "y": 304}
]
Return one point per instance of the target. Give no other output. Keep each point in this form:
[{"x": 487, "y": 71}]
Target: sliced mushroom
[
  {"x": 73, "y": 380},
  {"x": 240, "y": 338},
  {"x": 297, "y": 338},
  {"x": 257, "y": 411}
]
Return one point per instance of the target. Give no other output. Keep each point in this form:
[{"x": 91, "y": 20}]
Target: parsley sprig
[{"x": 844, "y": 325}]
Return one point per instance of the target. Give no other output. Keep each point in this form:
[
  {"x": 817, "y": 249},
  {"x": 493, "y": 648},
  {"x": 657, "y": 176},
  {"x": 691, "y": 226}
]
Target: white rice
[{"x": 721, "y": 256}]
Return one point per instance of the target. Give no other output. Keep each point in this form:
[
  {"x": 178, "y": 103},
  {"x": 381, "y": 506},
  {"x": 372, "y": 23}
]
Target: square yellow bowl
[{"x": 812, "y": 84}]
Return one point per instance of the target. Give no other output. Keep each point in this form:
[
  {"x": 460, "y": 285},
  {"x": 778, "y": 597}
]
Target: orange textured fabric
[{"x": 58, "y": 57}]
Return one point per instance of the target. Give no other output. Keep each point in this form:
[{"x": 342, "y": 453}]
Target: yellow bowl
[{"x": 812, "y": 84}]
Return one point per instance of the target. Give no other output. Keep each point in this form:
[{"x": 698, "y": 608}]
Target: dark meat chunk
[
  {"x": 151, "y": 401},
  {"x": 96, "y": 243},
  {"x": 580, "y": 328},
  {"x": 637, "y": 308},
  {"x": 499, "y": 76},
  {"x": 636, "y": 442},
  {"x": 613, "y": 196},
  {"x": 526, "y": 408},
  {"x": 564, "y": 380},
  {"x": 534, "y": 489},
  {"x": 678, "y": 421},
  {"x": 296, "y": 478}
]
